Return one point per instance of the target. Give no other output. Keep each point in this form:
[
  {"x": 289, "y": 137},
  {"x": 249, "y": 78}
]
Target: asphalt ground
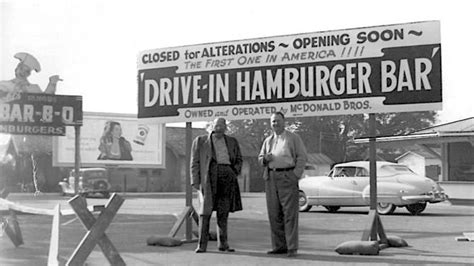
[{"x": 431, "y": 235}]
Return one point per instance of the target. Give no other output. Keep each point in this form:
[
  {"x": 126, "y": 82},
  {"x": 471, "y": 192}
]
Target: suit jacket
[
  {"x": 202, "y": 153},
  {"x": 297, "y": 150}
]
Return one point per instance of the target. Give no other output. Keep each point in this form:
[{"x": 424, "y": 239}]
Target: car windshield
[
  {"x": 94, "y": 174},
  {"x": 344, "y": 171},
  {"x": 90, "y": 174},
  {"x": 390, "y": 170}
]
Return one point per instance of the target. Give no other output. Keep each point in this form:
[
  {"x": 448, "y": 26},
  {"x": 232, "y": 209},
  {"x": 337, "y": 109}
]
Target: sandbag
[
  {"x": 163, "y": 241},
  {"x": 396, "y": 241},
  {"x": 358, "y": 248}
]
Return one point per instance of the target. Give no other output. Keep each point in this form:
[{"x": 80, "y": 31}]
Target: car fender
[
  {"x": 311, "y": 182},
  {"x": 311, "y": 187},
  {"x": 388, "y": 192}
]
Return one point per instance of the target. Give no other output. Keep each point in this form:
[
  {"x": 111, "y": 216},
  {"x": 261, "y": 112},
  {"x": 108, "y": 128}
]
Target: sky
[{"x": 93, "y": 45}]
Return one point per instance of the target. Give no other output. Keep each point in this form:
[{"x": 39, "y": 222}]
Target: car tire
[
  {"x": 303, "y": 202},
  {"x": 385, "y": 208},
  {"x": 416, "y": 208},
  {"x": 332, "y": 209}
]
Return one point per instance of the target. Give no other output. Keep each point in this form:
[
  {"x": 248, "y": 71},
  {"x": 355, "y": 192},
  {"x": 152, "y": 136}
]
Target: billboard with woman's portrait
[{"x": 113, "y": 139}]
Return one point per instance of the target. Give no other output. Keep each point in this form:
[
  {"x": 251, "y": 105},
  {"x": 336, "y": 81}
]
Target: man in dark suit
[{"x": 216, "y": 162}]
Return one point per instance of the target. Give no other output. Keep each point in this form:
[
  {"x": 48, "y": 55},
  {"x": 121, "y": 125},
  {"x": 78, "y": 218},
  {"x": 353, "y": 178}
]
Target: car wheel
[
  {"x": 385, "y": 208},
  {"x": 303, "y": 202},
  {"x": 416, "y": 208},
  {"x": 332, "y": 209}
]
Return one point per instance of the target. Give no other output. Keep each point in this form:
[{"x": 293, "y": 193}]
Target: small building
[
  {"x": 450, "y": 143},
  {"x": 421, "y": 162}
]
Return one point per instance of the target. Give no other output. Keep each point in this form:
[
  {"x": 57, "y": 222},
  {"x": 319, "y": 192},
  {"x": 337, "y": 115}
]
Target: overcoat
[{"x": 202, "y": 153}]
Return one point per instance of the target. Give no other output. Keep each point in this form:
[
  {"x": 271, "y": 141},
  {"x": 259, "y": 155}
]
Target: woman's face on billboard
[{"x": 117, "y": 131}]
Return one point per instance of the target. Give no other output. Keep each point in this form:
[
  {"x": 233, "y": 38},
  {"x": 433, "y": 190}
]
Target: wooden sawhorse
[{"x": 96, "y": 230}]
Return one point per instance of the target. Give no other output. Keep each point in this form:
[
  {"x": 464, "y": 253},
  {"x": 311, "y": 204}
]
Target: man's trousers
[
  {"x": 282, "y": 205},
  {"x": 221, "y": 200}
]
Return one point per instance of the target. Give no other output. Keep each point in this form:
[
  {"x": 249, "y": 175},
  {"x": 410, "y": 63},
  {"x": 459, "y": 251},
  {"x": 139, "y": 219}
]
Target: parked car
[
  {"x": 347, "y": 184},
  {"x": 91, "y": 181}
]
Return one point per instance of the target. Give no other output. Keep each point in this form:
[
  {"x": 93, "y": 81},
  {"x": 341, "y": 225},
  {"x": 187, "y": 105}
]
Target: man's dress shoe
[{"x": 277, "y": 251}]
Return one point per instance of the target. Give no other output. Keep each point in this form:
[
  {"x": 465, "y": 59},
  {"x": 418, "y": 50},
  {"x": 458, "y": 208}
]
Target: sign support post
[
  {"x": 188, "y": 214},
  {"x": 77, "y": 157},
  {"x": 375, "y": 228},
  {"x": 372, "y": 164},
  {"x": 189, "y": 195}
]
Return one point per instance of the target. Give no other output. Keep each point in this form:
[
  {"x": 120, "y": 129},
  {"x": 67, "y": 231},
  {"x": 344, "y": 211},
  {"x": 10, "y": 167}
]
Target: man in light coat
[
  {"x": 283, "y": 155},
  {"x": 216, "y": 162}
]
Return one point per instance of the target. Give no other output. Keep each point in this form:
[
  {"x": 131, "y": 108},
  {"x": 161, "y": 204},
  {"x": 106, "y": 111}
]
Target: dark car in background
[{"x": 92, "y": 181}]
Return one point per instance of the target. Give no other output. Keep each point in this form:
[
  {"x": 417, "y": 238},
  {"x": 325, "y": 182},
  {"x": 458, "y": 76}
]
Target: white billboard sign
[
  {"x": 108, "y": 139},
  {"x": 390, "y": 68}
]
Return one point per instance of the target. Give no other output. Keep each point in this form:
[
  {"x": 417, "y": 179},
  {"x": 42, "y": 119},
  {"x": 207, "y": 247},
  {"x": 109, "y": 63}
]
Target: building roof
[
  {"x": 319, "y": 158},
  {"x": 175, "y": 140},
  {"x": 419, "y": 153},
  {"x": 464, "y": 125},
  {"x": 457, "y": 131}
]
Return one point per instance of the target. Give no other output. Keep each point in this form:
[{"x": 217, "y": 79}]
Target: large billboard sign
[
  {"x": 108, "y": 139},
  {"x": 39, "y": 114},
  {"x": 391, "y": 68}
]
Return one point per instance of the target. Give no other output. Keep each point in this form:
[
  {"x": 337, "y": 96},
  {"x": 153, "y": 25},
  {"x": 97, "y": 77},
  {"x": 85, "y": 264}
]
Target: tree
[
  {"x": 253, "y": 131},
  {"x": 330, "y": 134},
  {"x": 333, "y": 135},
  {"x": 389, "y": 124}
]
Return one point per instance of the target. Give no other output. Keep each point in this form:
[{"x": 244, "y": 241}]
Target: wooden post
[
  {"x": 444, "y": 162},
  {"x": 373, "y": 165},
  {"x": 375, "y": 227},
  {"x": 189, "y": 191},
  {"x": 53, "y": 255},
  {"x": 12, "y": 229},
  {"x": 188, "y": 214},
  {"x": 77, "y": 157},
  {"x": 373, "y": 172}
]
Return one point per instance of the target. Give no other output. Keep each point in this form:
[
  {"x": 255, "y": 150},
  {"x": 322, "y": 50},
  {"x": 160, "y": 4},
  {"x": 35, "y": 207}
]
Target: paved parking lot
[{"x": 431, "y": 236}]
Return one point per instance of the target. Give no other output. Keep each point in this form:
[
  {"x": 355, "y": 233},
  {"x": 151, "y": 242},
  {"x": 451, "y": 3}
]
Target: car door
[
  {"x": 339, "y": 191},
  {"x": 361, "y": 181}
]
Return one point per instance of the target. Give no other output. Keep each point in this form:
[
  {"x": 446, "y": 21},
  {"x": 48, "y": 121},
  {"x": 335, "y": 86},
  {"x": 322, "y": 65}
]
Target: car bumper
[{"x": 434, "y": 197}]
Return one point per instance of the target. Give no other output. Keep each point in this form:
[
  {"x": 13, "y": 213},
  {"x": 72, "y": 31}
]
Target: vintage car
[
  {"x": 347, "y": 184},
  {"x": 92, "y": 181}
]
